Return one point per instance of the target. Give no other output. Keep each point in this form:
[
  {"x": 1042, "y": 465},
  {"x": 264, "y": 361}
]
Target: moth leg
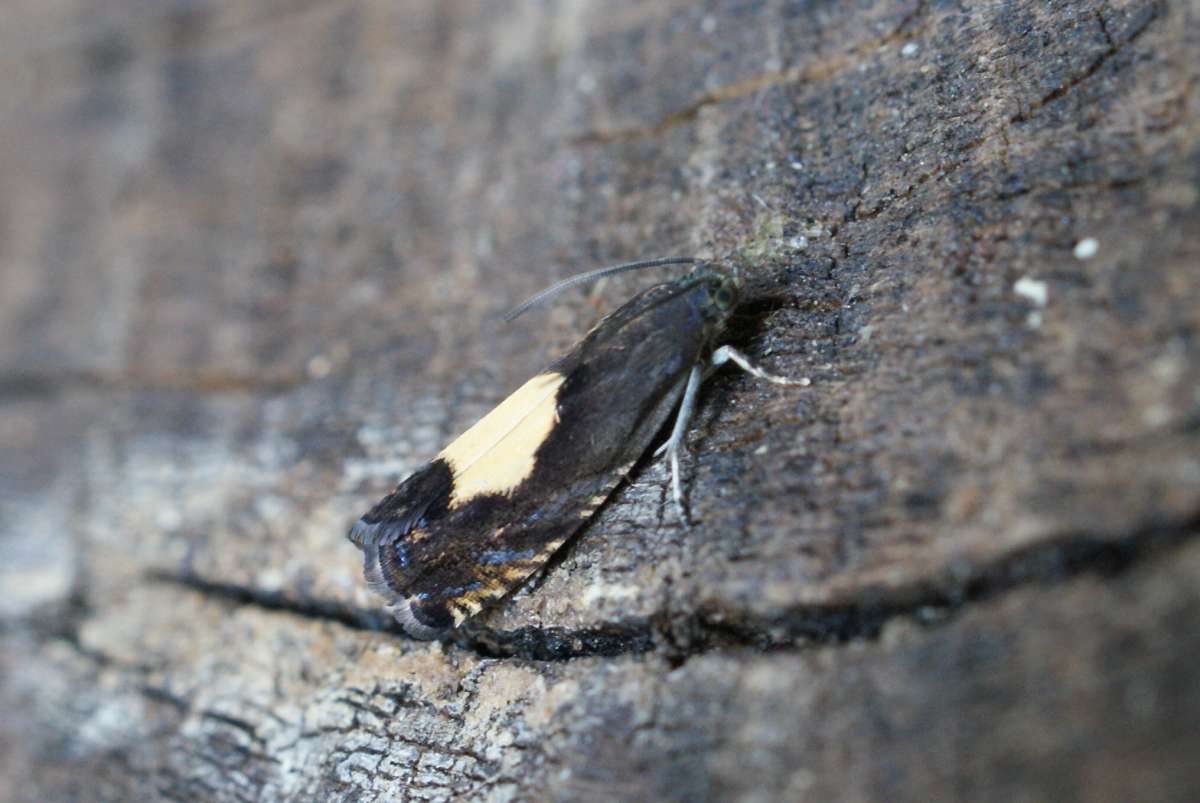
[
  {"x": 675, "y": 444},
  {"x": 729, "y": 354},
  {"x": 686, "y": 407}
]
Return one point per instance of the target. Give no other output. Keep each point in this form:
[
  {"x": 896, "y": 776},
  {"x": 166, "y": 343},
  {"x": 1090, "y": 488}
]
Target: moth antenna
[{"x": 591, "y": 276}]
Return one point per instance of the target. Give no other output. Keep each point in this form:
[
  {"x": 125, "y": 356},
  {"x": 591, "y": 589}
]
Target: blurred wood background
[{"x": 252, "y": 258}]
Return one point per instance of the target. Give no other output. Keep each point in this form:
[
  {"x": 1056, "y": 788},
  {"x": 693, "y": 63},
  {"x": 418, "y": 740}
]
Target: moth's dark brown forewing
[{"x": 439, "y": 564}]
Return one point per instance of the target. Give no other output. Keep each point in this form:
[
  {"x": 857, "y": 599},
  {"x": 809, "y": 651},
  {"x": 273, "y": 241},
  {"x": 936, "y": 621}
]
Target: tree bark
[{"x": 252, "y": 262}]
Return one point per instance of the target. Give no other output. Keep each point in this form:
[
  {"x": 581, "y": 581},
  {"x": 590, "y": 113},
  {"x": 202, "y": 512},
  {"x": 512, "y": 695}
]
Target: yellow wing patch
[{"x": 496, "y": 455}]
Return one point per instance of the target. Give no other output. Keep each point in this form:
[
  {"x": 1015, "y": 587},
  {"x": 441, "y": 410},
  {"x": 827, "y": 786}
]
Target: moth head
[
  {"x": 724, "y": 288},
  {"x": 725, "y": 293}
]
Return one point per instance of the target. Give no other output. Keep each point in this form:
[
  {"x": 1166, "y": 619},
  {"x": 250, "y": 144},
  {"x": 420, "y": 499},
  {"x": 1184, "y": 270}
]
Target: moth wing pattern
[{"x": 473, "y": 524}]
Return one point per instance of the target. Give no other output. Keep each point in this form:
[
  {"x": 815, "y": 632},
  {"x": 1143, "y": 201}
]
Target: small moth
[{"x": 494, "y": 505}]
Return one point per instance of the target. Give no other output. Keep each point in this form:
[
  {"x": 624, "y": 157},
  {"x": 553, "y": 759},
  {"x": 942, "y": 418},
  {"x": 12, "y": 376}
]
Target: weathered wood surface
[{"x": 251, "y": 258}]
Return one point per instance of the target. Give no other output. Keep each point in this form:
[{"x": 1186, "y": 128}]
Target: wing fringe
[{"x": 399, "y": 606}]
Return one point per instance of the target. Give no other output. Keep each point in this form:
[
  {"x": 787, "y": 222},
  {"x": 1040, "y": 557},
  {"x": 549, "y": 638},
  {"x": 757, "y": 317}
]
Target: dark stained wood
[{"x": 252, "y": 261}]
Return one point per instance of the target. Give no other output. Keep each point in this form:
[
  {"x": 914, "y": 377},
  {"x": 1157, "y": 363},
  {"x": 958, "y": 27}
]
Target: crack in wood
[
  {"x": 679, "y": 636},
  {"x": 1145, "y": 16}
]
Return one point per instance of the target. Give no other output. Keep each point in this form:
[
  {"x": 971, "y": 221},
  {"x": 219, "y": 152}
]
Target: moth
[{"x": 475, "y": 522}]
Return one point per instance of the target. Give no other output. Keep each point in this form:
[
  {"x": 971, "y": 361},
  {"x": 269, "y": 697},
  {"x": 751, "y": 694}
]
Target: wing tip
[
  {"x": 364, "y": 534},
  {"x": 400, "y": 606},
  {"x": 402, "y": 610}
]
